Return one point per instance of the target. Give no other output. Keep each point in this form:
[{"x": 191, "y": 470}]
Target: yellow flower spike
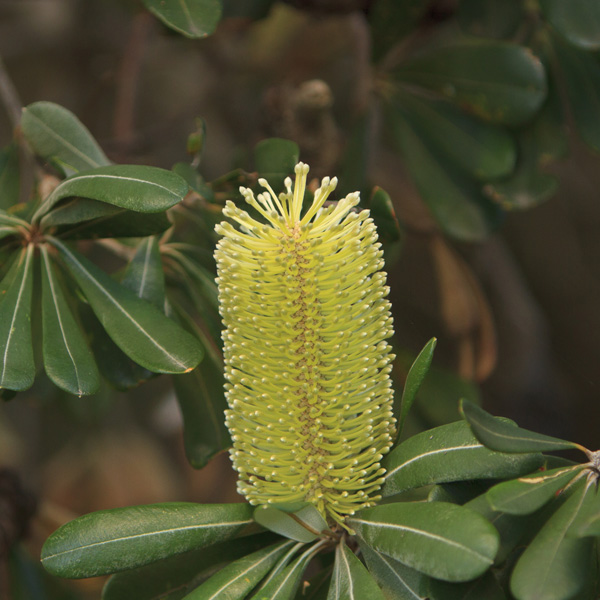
[{"x": 303, "y": 302}]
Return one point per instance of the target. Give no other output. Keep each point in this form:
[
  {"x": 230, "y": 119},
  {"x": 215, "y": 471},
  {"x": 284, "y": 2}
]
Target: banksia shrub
[{"x": 303, "y": 302}]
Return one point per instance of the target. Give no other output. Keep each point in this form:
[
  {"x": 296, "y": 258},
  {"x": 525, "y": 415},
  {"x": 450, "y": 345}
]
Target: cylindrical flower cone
[{"x": 303, "y": 302}]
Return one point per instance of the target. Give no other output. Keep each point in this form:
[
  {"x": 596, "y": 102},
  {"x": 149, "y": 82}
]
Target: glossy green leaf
[
  {"x": 578, "y": 21},
  {"x": 587, "y": 522},
  {"x": 286, "y": 581},
  {"x": 505, "y": 436},
  {"x": 554, "y": 566},
  {"x": 9, "y": 176},
  {"x": 109, "y": 541},
  {"x": 414, "y": 379},
  {"x": 11, "y": 220},
  {"x": 144, "y": 274},
  {"x": 68, "y": 361},
  {"x": 455, "y": 201},
  {"x": 138, "y": 328},
  {"x": 498, "y": 19},
  {"x": 529, "y": 493},
  {"x": 181, "y": 573},
  {"x": 17, "y": 368},
  {"x": 57, "y": 135},
  {"x": 202, "y": 404},
  {"x": 397, "y": 581},
  {"x": 241, "y": 576},
  {"x": 194, "y": 180},
  {"x": 302, "y": 523},
  {"x": 484, "y": 588},
  {"x": 449, "y": 453},
  {"x": 80, "y": 218},
  {"x": 442, "y": 540},
  {"x": 133, "y": 187},
  {"x": 192, "y": 18},
  {"x": 483, "y": 150},
  {"x": 581, "y": 75},
  {"x": 499, "y": 81},
  {"x": 203, "y": 279},
  {"x": 391, "y": 20},
  {"x": 350, "y": 579}
]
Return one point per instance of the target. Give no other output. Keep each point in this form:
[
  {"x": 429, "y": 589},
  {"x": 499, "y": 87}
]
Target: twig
[{"x": 9, "y": 96}]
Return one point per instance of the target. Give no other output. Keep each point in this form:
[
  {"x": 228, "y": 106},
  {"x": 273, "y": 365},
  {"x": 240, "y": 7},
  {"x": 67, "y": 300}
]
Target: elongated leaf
[
  {"x": 455, "y": 201},
  {"x": 144, "y": 274},
  {"x": 397, "y": 581},
  {"x": 587, "y": 522},
  {"x": 554, "y": 566},
  {"x": 17, "y": 368},
  {"x": 137, "y": 327},
  {"x": 181, "y": 573},
  {"x": 9, "y": 176},
  {"x": 133, "y": 187},
  {"x": 350, "y": 579},
  {"x": 581, "y": 74},
  {"x": 414, "y": 379},
  {"x": 498, "y": 81},
  {"x": 285, "y": 583},
  {"x": 239, "y": 578},
  {"x": 484, "y": 588},
  {"x": 442, "y": 540},
  {"x": 57, "y": 135},
  {"x": 449, "y": 453},
  {"x": 505, "y": 436},
  {"x": 302, "y": 524},
  {"x": 527, "y": 494},
  {"x": 11, "y": 220},
  {"x": 192, "y": 18},
  {"x": 483, "y": 150},
  {"x": 109, "y": 541},
  {"x": 68, "y": 361},
  {"x": 578, "y": 21},
  {"x": 6, "y": 230}
]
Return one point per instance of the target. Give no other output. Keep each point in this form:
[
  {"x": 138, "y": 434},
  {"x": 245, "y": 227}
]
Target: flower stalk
[{"x": 303, "y": 302}]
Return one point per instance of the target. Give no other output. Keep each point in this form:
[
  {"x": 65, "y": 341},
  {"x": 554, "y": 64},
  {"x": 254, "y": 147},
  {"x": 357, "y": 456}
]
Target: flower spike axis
[{"x": 303, "y": 302}]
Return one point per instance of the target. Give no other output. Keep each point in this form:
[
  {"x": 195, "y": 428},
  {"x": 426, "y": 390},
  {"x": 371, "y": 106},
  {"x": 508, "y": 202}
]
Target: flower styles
[{"x": 303, "y": 302}]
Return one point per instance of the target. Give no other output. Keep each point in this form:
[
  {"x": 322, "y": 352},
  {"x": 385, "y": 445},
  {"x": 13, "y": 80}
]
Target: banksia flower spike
[{"x": 304, "y": 306}]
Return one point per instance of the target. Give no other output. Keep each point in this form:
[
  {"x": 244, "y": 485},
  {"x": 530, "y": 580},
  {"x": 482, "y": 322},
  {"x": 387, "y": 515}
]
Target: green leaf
[
  {"x": 241, "y": 576},
  {"x": 68, "y": 361},
  {"x": 554, "y": 566},
  {"x": 58, "y": 136},
  {"x": 529, "y": 493},
  {"x": 455, "y": 201},
  {"x": 9, "y": 176},
  {"x": 138, "y": 328},
  {"x": 483, "y": 150},
  {"x": 202, "y": 404},
  {"x": 7, "y": 230},
  {"x": 442, "y": 540},
  {"x": 180, "y": 573},
  {"x": 17, "y": 367},
  {"x": 390, "y": 234},
  {"x": 275, "y": 159},
  {"x": 498, "y": 81},
  {"x": 578, "y": 21},
  {"x": 581, "y": 78},
  {"x": 80, "y": 218},
  {"x": 498, "y": 19},
  {"x": 194, "y": 180},
  {"x": 109, "y": 541},
  {"x": 303, "y": 522},
  {"x": 391, "y": 20},
  {"x": 144, "y": 274},
  {"x": 414, "y": 379},
  {"x": 505, "y": 436},
  {"x": 397, "y": 581},
  {"x": 484, "y": 588},
  {"x": 284, "y": 584},
  {"x": 192, "y": 18},
  {"x": 587, "y": 522},
  {"x": 350, "y": 579},
  {"x": 133, "y": 187},
  {"x": 449, "y": 453}
]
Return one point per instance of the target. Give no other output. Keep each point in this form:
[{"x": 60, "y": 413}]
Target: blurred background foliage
[{"x": 479, "y": 122}]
